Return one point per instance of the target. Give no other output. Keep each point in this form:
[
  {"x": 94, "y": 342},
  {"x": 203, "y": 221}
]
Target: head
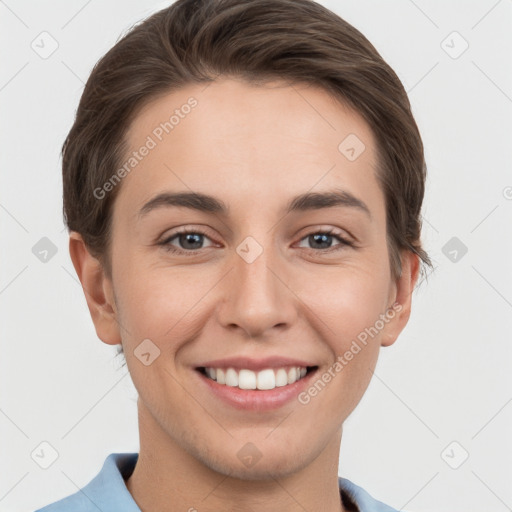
[{"x": 290, "y": 120}]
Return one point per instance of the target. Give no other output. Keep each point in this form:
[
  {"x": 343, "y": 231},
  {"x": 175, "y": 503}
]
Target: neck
[{"x": 166, "y": 478}]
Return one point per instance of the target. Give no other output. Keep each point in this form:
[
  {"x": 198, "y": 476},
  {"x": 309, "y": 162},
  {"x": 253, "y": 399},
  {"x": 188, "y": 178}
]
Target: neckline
[{"x": 128, "y": 468}]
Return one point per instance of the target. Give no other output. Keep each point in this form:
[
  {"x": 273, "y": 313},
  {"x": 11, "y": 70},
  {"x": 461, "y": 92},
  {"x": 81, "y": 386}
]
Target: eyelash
[{"x": 167, "y": 247}]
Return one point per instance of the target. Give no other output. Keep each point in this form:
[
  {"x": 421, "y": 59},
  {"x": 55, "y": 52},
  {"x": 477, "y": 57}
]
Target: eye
[
  {"x": 189, "y": 241},
  {"x": 324, "y": 240}
]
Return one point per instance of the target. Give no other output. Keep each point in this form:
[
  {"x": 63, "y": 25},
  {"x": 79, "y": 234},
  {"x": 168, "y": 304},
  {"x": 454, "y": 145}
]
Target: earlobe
[
  {"x": 97, "y": 289},
  {"x": 401, "y": 311}
]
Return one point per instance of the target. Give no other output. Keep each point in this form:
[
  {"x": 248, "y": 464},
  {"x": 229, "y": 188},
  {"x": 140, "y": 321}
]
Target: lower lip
[{"x": 255, "y": 399}]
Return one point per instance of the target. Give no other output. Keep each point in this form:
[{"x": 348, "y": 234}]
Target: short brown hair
[{"x": 194, "y": 41}]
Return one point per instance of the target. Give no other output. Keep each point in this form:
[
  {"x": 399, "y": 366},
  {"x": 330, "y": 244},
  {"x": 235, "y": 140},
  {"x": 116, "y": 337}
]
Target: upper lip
[{"x": 254, "y": 364}]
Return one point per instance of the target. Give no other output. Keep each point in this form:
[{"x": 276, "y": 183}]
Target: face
[{"x": 251, "y": 281}]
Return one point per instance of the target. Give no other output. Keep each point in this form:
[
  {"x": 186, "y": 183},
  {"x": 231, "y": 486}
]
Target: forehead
[{"x": 245, "y": 142}]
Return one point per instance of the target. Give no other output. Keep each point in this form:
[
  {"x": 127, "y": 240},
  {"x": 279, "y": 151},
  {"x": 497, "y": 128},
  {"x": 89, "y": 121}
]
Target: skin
[{"x": 253, "y": 147}]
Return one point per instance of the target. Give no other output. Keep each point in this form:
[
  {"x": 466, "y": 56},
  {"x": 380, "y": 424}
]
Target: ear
[
  {"x": 98, "y": 290},
  {"x": 403, "y": 288}
]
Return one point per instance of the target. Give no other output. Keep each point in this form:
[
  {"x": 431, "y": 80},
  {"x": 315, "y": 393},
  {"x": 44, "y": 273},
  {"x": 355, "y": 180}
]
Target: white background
[{"x": 446, "y": 379}]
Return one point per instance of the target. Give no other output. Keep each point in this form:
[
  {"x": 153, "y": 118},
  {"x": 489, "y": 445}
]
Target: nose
[{"x": 256, "y": 295}]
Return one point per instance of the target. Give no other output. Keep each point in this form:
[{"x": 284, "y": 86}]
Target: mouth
[
  {"x": 251, "y": 390},
  {"x": 263, "y": 380}
]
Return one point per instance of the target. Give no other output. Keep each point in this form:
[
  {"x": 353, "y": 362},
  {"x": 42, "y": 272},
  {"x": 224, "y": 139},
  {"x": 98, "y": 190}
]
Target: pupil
[
  {"x": 188, "y": 238},
  {"x": 322, "y": 237}
]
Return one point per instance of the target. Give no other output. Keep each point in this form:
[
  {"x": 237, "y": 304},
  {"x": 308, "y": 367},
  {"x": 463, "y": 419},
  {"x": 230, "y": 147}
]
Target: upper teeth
[{"x": 264, "y": 379}]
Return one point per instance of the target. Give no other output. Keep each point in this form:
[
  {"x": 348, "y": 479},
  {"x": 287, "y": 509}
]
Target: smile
[
  {"x": 263, "y": 380},
  {"x": 255, "y": 384}
]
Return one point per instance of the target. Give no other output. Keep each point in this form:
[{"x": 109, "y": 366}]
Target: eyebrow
[{"x": 210, "y": 204}]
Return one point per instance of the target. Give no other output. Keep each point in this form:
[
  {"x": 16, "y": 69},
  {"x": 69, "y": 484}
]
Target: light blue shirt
[{"x": 107, "y": 492}]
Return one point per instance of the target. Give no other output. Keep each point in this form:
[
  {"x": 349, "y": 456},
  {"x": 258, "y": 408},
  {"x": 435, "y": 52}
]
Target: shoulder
[
  {"x": 106, "y": 491},
  {"x": 360, "y": 500}
]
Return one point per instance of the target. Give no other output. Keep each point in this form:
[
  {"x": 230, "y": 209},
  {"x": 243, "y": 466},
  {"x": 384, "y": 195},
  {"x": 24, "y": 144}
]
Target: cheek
[
  {"x": 160, "y": 305},
  {"x": 344, "y": 302}
]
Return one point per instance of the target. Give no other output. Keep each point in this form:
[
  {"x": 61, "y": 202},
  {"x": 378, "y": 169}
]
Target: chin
[{"x": 266, "y": 467}]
